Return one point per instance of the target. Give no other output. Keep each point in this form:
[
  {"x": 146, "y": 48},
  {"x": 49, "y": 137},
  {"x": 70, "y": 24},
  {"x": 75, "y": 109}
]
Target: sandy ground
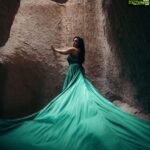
[{"x": 132, "y": 109}]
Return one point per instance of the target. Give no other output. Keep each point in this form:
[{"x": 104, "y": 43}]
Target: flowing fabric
[{"x": 79, "y": 118}]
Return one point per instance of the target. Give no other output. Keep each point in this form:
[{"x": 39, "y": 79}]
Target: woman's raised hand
[{"x": 52, "y": 47}]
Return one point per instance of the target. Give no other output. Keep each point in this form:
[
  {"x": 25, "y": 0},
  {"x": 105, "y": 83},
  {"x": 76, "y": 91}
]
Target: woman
[
  {"x": 79, "y": 118},
  {"x": 75, "y": 59}
]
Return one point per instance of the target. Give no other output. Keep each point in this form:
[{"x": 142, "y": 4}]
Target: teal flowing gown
[{"x": 79, "y": 118}]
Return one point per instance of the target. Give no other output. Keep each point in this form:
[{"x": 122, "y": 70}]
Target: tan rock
[{"x": 35, "y": 74}]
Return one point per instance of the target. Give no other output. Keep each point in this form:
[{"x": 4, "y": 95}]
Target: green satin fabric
[{"x": 79, "y": 118}]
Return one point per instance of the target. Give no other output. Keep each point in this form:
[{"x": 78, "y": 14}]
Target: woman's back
[{"x": 72, "y": 59}]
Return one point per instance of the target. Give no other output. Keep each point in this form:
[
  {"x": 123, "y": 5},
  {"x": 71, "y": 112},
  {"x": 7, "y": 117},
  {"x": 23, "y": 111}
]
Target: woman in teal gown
[{"x": 79, "y": 118}]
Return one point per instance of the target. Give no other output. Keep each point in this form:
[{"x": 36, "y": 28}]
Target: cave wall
[
  {"x": 32, "y": 68},
  {"x": 116, "y": 42},
  {"x": 128, "y": 34},
  {"x": 8, "y": 9}
]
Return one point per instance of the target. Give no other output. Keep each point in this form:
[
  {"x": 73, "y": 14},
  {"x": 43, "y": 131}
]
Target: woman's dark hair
[{"x": 81, "y": 48}]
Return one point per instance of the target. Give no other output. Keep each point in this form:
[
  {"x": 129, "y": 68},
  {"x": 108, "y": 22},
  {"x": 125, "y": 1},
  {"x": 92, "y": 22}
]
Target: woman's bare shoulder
[{"x": 74, "y": 50}]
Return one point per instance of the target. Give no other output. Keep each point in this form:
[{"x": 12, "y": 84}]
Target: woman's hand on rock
[{"x": 52, "y": 47}]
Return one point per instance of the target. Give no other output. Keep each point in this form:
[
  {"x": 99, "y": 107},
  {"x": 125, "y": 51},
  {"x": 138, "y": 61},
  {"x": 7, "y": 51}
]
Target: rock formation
[{"x": 117, "y": 51}]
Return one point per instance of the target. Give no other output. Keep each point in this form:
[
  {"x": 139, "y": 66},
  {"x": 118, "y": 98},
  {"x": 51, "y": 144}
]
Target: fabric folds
[{"x": 79, "y": 118}]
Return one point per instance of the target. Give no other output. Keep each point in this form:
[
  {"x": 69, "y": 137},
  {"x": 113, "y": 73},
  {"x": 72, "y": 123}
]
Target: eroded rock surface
[
  {"x": 8, "y": 10},
  {"x": 31, "y": 74}
]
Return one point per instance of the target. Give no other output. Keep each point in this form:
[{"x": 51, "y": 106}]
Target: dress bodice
[{"x": 72, "y": 59}]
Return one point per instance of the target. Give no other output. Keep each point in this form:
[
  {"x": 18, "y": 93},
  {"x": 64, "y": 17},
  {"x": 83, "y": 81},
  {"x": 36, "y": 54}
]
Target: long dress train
[{"x": 79, "y": 118}]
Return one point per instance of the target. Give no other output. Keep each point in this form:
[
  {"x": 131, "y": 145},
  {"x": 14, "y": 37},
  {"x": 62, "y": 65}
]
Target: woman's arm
[{"x": 71, "y": 50}]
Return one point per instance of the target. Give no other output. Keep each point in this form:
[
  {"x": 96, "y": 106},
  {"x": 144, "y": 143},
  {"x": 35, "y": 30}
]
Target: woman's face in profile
[{"x": 75, "y": 42}]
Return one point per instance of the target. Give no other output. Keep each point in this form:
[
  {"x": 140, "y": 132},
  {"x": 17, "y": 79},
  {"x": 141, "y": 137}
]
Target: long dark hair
[{"x": 81, "y": 48}]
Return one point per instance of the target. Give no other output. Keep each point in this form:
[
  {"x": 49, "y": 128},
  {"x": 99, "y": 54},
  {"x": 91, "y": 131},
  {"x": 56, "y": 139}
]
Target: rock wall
[
  {"x": 129, "y": 37},
  {"x": 8, "y": 9},
  {"x": 32, "y": 75}
]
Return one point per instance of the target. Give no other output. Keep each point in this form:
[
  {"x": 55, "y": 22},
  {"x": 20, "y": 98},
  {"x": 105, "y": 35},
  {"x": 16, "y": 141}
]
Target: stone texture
[
  {"x": 34, "y": 73},
  {"x": 8, "y": 9},
  {"x": 31, "y": 74},
  {"x": 129, "y": 37},
  {"x": 60, "y": 1}
]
